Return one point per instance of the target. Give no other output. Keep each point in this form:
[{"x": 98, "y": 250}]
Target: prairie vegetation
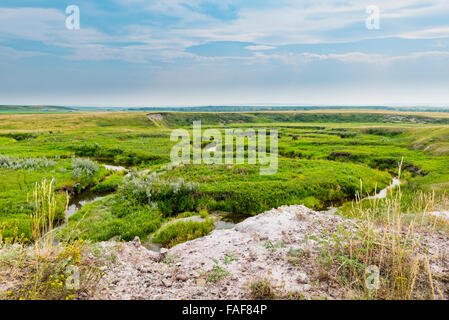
[
  {"x": 43, "y": 271},
  {"x": 325, "y": 159},
  {"x": 348, "y": 147},
  {"x": 389, "y": 236}
]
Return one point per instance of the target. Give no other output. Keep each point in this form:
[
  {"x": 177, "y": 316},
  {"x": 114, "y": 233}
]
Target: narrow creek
[
  {"x": 114, "y": 168},
  {"x": 86, "y": 197},
  {"x": 80, "y": 201},
  {"x": 223, "y": 220},
  {"x": 382, "y": 194}
]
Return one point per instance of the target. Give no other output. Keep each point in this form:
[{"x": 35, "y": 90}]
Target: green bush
[{"x": 182, "y": 231}]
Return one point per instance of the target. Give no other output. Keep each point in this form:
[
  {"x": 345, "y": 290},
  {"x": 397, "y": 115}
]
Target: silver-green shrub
[
  {"x": 16, "y": 163},
  {"x": 83, "y": 168},
  {"x": 145, "y": 189}
]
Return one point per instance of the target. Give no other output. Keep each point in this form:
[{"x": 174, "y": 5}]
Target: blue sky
[{"x": 224, "y": 52}]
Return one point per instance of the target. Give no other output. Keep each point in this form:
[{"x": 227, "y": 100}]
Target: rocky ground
[
  {"x": 223, "y": 264},
  {"x": 282, "y": 247}
]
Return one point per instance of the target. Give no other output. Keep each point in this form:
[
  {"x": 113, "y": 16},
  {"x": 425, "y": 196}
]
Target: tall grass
[
  {"x": 44, "y": 212},
  {"x": 47, "y": 271},
  {"x": 388, "y": 241}
]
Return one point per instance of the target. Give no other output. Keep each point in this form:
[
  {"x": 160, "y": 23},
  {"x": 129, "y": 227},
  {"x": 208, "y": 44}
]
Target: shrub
[
  {"x": 19, "y": 136},
  {"x": 217, "y": 273},
  {"x": 16, "y": 163},
  {"x": 83, "y": 168},
  {"x": 171, "y": 197}
]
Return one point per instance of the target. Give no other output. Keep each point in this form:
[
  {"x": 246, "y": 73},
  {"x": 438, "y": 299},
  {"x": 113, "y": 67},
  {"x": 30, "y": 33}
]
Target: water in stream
[
  {"x": 382, "y": 194},
  {"x": 76, "y": 203},
  {"x": 114, "y": 168},
  {"x": 80, "y": 201}
]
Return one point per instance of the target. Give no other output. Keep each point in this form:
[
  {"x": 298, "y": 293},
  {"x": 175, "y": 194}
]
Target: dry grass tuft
[{"x": 262, "y": 289}]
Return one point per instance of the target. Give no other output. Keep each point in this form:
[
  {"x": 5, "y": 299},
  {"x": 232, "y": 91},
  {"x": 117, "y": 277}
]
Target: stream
[
  {"x": 87, "y": 197},
  {"x": 223, "y": 220},
  {"x": 80, "y": 201},
  {"x": 382, "y": 194},
  {"x": 114, "y": 168}
]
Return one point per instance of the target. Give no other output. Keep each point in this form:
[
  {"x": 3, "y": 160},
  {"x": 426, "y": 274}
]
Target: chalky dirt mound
[{"x": 223, "y": 264}]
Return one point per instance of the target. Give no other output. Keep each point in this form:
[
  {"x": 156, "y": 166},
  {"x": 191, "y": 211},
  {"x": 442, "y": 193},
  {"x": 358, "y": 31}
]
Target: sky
[{"x": 143, "y": 53}]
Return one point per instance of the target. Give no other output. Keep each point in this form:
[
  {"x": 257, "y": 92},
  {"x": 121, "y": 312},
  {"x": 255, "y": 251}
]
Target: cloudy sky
[{"x": 224, "y": 52}]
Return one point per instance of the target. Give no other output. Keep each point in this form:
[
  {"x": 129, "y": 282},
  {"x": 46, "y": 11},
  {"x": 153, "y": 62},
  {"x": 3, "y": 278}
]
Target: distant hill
[
  {"x": 212, "y": 109},
  {"x": 35, "y": 109},
  {"x": 282, "y": 108}
]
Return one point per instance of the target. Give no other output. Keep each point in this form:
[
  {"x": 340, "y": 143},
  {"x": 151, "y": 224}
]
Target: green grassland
[{"x": 325, "y": 157}]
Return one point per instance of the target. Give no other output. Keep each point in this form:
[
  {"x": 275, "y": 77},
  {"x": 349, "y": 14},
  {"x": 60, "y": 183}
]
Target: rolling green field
[{"x": 325, "y": 158}]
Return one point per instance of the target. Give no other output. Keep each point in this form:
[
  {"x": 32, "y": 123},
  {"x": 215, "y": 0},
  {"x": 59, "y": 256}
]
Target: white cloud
[
  {"x": 432, "y": 33},
  {"x": 48, "y": 27},
  {"x": 290, "y": 22},
  {"x": 260, "y": 48},
  {"x": 301, "y": 59},
  {"x": 310, "y": 21}
]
